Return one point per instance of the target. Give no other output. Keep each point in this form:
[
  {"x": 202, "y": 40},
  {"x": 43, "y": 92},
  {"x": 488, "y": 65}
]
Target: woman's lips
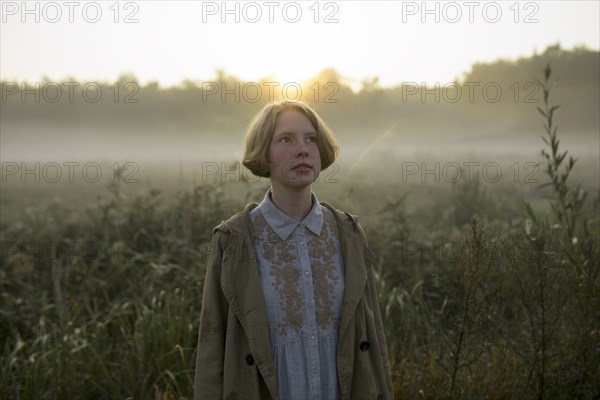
[{"x": 302, "y": 167}]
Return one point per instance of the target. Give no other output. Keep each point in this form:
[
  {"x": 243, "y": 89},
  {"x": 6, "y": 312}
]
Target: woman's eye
[
  {"x": 285, "y": 139},
  {"x": 312, "y": 138}
]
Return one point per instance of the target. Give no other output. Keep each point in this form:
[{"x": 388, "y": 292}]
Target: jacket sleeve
[
  {"x": 379, "y": 325},
  {"x": 208, "y": 382},
  {"x": 381, "y": 335}
]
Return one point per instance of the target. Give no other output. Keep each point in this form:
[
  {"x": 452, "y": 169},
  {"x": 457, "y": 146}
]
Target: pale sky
[{"x": 177, "y": 40}]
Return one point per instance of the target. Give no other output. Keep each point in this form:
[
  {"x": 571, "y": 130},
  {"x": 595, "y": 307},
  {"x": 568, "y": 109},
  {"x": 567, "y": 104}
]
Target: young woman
[{"x": 289, "y": 309}]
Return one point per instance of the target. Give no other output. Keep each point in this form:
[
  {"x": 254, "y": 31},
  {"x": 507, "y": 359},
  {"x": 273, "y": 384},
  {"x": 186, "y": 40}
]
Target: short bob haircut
[{"x": 262, "y": 127}]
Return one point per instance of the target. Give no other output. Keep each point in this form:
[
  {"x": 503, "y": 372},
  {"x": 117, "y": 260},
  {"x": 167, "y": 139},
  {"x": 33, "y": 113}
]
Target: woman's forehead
[{"x": 294, "y": 121}]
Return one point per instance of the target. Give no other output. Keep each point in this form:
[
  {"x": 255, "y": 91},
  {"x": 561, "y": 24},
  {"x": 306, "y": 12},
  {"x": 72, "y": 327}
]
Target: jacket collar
[{"x": 241, "y": 283}]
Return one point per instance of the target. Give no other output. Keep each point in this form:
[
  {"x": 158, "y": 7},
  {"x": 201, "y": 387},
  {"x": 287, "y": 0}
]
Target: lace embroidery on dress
[
  {"x": 322, "y": 251},
  {"x": 281, "y": 255}
]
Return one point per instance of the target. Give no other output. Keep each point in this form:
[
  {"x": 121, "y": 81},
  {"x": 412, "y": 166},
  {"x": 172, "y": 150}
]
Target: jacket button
[
  {"x": 249, "y": 359},
  {"x": 364, "y": 345},
  {"x": 380, "y": 397}
]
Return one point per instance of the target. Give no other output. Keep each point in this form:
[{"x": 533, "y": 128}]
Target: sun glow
[{"x": 175, "y": 41}]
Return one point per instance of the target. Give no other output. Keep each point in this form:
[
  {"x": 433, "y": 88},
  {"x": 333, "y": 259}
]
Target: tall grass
[
  {"x": 105, "y": 306},
  {"x": 512, "y": 313}
]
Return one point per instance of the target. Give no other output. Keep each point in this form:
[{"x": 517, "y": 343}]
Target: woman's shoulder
[
  {"x": 351, "y": 226},
  {"x": 341, "y": 215},
  {"x": 348, "y": 221},
  {"x": 237, "y": 222}
]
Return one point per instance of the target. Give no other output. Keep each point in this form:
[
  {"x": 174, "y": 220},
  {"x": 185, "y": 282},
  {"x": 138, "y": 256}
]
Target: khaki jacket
[{"x": 234, "y": 358}]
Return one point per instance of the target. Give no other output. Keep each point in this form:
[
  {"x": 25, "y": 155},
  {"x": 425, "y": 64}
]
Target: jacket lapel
[
  {"x": 242, "y": 288},
  {"x": 358, "y": 259}
]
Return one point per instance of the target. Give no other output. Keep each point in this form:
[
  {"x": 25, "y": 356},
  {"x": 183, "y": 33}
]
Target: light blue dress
[{"x": 302, "y": 276}]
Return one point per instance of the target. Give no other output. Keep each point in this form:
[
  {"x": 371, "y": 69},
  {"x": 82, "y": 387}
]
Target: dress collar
[{"x": 282, "y": 224}]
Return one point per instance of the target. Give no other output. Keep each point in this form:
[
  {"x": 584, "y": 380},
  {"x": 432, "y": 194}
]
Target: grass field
[{"x": 489, "y": 286}]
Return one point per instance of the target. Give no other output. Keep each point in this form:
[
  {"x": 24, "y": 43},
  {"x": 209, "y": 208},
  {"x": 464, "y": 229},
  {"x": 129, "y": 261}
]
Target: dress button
[
  {"x": 307, "y": 273},
  {"x": 312, "y": 337},
  {"x": 364, "y": 345},
  {"x": 315, "y": 370},
  {"x": 249, "y": 359}
]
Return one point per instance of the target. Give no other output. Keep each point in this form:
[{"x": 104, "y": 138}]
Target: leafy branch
[{"x": 568, "y": 201}]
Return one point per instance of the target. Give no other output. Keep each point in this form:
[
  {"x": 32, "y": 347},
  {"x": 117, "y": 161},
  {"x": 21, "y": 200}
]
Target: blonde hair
[{"x": 260, "y": 133}]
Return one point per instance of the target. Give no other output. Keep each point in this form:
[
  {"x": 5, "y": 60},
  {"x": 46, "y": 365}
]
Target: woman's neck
[{"x": 296, "y": 204}]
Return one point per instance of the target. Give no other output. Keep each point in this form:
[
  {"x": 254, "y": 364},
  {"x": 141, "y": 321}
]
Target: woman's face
[{"x": 293, "y": 153}]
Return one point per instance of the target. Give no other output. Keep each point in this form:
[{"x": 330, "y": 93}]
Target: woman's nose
[{"x": 302, "y": 149}]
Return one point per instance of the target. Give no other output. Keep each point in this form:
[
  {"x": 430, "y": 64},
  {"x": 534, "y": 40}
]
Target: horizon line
[{"x": 344, "y": 80}]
